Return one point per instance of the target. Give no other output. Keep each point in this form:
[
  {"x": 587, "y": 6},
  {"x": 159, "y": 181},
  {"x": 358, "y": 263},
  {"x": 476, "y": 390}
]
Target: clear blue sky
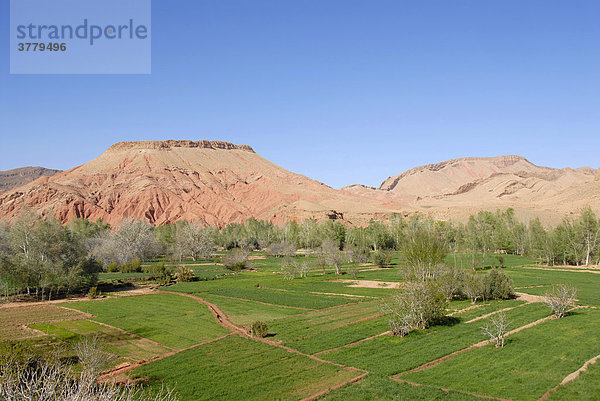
[{"x": 343, "y": 91}]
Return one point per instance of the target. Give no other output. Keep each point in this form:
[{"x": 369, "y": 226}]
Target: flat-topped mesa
[{"x": 170, "y": 143}]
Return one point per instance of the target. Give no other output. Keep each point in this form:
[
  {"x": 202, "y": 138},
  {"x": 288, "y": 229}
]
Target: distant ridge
[{"x": 20, "y": 176}]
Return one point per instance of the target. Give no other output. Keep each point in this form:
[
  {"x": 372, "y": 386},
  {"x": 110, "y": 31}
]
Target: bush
[
  {"x": 497, "y": 285},
  {"x": 135, "y": 266},
  {"x": 161, "y": 273},
  {"x": 236, "y": 259},
  {"x": 183, "y": 274},
  {"x": 259, "y": 329},
  {"x": 383, "y": 257},
  {"x": 112, "y": 267},
  {"x": 94, "y": 293}
]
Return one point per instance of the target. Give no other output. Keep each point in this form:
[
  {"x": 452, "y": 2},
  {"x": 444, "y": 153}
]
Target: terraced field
[{"x": 329, "y": 339}]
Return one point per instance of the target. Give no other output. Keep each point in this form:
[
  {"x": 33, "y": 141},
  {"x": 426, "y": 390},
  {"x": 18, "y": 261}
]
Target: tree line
[{"x": 43, "y": 258}]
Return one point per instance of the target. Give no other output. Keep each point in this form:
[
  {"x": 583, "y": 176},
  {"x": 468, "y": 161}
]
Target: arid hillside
[
  {"x": 165, "y": 181},
  {"x": 20, "y": 176},
  {"x": 457, "y": 188}
]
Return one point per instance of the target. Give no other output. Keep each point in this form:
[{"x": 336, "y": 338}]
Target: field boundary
[{"x": 571, "y": 377}]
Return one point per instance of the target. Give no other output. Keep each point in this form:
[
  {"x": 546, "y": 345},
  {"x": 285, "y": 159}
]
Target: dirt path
[
  {"x": 468, "y": 308},
  {"x": 571, "y": 376},
  {"x": 135, "y": 292},
  {"x": 572, "y": 269},
  {"x": 259, "y": 302},
  {"x": 369, "y": 283}
]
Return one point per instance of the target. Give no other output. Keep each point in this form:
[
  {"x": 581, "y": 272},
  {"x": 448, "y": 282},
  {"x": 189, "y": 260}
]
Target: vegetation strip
[
  {"x": 355, "y": 343},
  {"x": 487, "y": 397},
  {"x": 252, "y": 300}
]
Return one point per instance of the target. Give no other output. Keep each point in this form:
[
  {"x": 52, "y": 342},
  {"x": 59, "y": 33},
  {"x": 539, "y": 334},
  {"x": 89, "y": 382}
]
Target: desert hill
[
  {"x": 20, "y": 176},
  {"x": 165, "y": 181},
  {"x": 456, "y": 188}
]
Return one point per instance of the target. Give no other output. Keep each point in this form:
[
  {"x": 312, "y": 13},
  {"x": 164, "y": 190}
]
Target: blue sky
[{"x": 343, "y": 91}]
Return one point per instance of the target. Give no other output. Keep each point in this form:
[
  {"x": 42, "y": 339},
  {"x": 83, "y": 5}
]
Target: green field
[
  {"x": 341, "y": 323},
  {"x": 235, "y": 368},
  {"x": 171, "y": 320}
]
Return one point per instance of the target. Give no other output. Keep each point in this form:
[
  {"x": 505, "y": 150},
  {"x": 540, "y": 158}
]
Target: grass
[
  {"x": 389, "y": 355},
  {"x": 235, "y": 368},
  {"x": 382, "y": 388},
  {"x": 116, "y": 342},
  {"x": 14, "y": 319},
  {"x": 171, "y": 320},
  {"x": 533, "y": 361},
  {"x": 245, "y": 312},
  {"x": 587, "y": 284},
  {"x": 585, "y": 388}
]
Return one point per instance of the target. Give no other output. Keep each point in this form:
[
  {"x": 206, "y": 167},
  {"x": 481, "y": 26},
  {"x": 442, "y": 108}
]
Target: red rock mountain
[
  {"x": 458, "y": 188},
  {"x": 165, "y": 181}
]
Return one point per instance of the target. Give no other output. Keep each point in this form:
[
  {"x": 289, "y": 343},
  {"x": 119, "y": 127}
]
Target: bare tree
[
  {"x": 191, "y": 239},
  {"x": 281, "y": 249},
  {"x": 132, "y": 239},
  {"x": 93, "y": 358},
  {"x": 332, "y": 255},
  {"x": 560, "y": 298},
  {"x": 236, "y": 259},
  {"x": 497, "y": 328}
]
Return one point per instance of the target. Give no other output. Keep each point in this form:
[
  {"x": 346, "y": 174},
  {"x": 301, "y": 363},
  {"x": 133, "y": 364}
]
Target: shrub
[
  {"x": 94, "y": 293},
  {"x": 236, "y": 259},
  {"x": 259, "y": 329},
  {"x": 135, "y": 266},
  {"x": 383, "y": 257},
  {"x": 183, "y": 274},
  {"x": 497, "y": 285},
  {"x": 112, "y": 267},
  {"x": 161, "y": 273},
  {"x": 353, "y": 273}
]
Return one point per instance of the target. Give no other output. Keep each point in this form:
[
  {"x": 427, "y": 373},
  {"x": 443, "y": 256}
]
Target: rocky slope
[
  {"x": 20, "y": 176},
  {"x": 457, "y": 188},
  {"x": 165, "y": 181}
]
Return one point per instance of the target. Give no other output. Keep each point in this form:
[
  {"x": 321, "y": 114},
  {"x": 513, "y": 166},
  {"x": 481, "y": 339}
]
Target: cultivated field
[{"x": 328, "y": 338}]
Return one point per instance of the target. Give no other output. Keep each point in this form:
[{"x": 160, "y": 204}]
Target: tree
[
  {"x": 589, "y": 228},
  {"x": 473, "y": 288},
  {"x": 331, "y": 255},
  {"x": 560, "y": 298},
  {"x": 383, "y": 257},
  {"x": 191, "y": 239},
  {"x": 497, "y": 328},
  {"x": 415, "y": 306},
  {"x": 281, "y": 249},
  {"x": 423, "y": 246},
  {"x": 236, "y": 259}
]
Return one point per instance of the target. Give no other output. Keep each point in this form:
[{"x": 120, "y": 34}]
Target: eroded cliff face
[{"x": 165, "y": 181}]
